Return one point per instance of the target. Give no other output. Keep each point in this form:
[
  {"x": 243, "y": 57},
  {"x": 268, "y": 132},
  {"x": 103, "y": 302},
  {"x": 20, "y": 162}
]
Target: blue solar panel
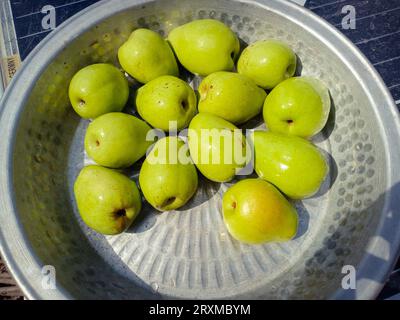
[
  {"x": 377, "y": 33},
  {"x": 28, "y": 18}
]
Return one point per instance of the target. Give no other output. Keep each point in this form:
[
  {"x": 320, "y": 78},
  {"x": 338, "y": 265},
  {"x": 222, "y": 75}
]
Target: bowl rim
[{"x": 15, "y": 248}]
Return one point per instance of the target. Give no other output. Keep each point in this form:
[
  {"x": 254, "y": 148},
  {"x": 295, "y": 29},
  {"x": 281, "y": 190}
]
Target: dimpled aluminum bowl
[{"x": 353, "y": 222}]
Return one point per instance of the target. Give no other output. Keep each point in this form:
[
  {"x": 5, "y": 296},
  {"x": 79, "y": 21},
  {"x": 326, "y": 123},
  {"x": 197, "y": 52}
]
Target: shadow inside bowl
[{"x": 330, "y": 124}]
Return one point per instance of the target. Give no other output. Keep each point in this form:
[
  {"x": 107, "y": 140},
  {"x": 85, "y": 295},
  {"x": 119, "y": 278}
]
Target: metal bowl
[{"x": 353, "y": 221}]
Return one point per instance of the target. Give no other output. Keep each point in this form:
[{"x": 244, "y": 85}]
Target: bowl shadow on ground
[{"x": 330, "y": 259}]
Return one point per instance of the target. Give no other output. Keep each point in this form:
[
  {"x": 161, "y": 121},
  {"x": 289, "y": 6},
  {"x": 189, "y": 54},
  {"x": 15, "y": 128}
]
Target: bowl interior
[{"x": 188, "y": 253}]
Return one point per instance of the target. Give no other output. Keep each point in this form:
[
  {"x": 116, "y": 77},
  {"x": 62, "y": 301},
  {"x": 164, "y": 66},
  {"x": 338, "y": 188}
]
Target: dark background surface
[{"x": 377, "y": 34}]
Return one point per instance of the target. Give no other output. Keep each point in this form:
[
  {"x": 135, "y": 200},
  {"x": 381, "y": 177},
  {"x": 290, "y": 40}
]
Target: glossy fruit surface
[
  {"x": 268, "y": 62},
  {"x": 117, "y": 140},
  {"x": 98, "y": 89},
  {"x": 165, "y": 100},
  {"x": 205, "y": 46},
  {"x": 292, "y": 164},
  {"x": 147, "y": 56},
  {"x": 108, "y": 201},
  {"x": 298, "y": 106},
  {"x": 168, "y": 179},
  {"x": 231, "y": 96},
  {"x": 256, "y": 212},
  {"x": 218, "y": 148}
]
